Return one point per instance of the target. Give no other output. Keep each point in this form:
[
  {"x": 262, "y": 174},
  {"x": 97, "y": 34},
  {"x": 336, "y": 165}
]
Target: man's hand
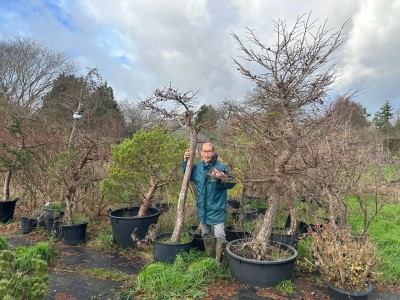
[{"x": 186, "y": 155}]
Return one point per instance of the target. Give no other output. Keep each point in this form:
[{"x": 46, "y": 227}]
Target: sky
[{"x": 141, "y": 45}]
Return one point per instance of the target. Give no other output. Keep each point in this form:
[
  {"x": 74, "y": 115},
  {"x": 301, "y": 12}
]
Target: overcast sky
[{"x": 140, "y": 45}]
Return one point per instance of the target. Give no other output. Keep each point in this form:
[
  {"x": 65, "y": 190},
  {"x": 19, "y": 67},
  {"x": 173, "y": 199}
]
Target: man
[{"x": 212, "y": 180}]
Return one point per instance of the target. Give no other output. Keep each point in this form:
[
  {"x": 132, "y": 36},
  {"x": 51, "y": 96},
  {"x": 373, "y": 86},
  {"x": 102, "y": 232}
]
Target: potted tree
[
  {"x": 140, "y": 165},
  {"x": 345, "y": 261},
  {"x": 293, "y": 82},
  {"x": 78, "y": 163},
  {"x": 172, "y": 104}
]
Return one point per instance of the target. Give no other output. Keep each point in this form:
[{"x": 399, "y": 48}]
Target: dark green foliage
[
  {"x": 3, "y": 243},
  {"x": 16, "y": 283}
]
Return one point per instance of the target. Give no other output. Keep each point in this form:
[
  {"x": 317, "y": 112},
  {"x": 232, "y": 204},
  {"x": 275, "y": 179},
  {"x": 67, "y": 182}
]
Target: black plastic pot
[
  {"x": 336, "y": 293},
  {"x": 195, "y": 234},
  {"x": 124, "y": 222},
  {"x": 27, "y": 225},
  {"x": 280, "y": 235},
  {"x": 74, "y": 234},
  {"x": 232, "y": 235},
  {"x": 234, "y": 203},
  {"x": 245, "y": 214},
  {"x": 261, "y": 273},
  {"x": 7, "y": 209},
  {"x": 53, "y": 227},
  {"x": 164, "y": 251}
]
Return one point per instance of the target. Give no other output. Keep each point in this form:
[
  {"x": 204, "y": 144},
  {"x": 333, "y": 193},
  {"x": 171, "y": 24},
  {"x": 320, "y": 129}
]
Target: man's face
[{"x": 207, "y": 153}]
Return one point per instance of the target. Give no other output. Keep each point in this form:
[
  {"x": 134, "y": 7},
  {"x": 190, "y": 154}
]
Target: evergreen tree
[{"x": 383, "y": 116}]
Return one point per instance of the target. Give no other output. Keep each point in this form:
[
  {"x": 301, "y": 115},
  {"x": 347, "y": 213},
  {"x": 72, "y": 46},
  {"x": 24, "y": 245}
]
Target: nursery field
[{"x": 98, "y": 269}]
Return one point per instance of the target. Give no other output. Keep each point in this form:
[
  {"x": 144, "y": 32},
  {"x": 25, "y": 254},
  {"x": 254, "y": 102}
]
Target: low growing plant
[
  {"x": 16, "y": 283},
  {"x": 286, "y": 287},
  {"x": 344, "y": 260},
  {"x": 26, "y": 256}
]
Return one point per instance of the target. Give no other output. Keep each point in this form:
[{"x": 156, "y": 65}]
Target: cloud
[{"x": 146, "y": 44}]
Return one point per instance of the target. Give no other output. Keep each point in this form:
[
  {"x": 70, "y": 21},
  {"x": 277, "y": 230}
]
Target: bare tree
[
  {"x": 28, "y": 69},
  {"x": 295, "y": 77},
  {"x": 170, "y": 103}
]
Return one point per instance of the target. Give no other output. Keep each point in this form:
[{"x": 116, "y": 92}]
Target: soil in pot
[
  {"x": 261, "y": 273},
  {"x": 336, "y": 293},
  {"x": 165, "y": 251},
  {"x": 125, "y": 223}
]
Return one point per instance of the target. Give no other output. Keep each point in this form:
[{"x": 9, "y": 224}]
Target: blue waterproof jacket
[{"x": 211, "y": 193}]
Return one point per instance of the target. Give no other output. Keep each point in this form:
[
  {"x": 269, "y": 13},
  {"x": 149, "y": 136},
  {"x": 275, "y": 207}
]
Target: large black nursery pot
[
  {"x": 336, "y": 293},
  {"x": 261, "y": 273},
  {"x": 281, "y": 235},
  {"x": 74, "y": 234},
  {"x": 231, "y": 234},
  {"x": 27, "y": 225},
  {"x": 7, "y": 209},
  {"x": 195, "y": 234},
  {"x": 124, "y": 222},
  {"x": 165, "y": 251}
]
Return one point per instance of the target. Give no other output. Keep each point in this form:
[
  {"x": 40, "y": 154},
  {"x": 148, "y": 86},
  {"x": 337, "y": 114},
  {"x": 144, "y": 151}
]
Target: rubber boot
[
  {"x": 220, "y": 252},
  {"x": 209, "y": 244}
]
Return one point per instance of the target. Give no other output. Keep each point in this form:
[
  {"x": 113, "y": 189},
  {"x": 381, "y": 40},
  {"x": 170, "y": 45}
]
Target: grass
[
  {"x": 385, "y": 233},
  {"x": 186, "y": 278},
  {"x": 26, "y": 255}
]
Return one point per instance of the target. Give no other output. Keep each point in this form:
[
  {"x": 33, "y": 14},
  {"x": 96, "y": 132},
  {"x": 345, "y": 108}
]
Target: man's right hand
[{"x": 186, "y": 155}]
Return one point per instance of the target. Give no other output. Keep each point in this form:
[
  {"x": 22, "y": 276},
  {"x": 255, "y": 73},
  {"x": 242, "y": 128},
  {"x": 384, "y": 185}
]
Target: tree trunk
[
  {"x": 69, "y": 199},
  {"x": 7, "y": 182},
  {"x": 180, "y": 214},
  {"x": 264, "y": 234},
  {"x": 147, "y": 200}
]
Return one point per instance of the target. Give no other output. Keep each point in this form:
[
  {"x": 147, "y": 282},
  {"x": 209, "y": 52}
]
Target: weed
[
  {"x": 103, "y": 241},
  {"x": 286, "y": 287}
]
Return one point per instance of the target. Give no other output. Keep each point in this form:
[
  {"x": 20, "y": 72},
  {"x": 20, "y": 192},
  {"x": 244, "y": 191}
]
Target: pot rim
[
  {"x": 350, "y": 293},
  {"x": 264, "y": 262},
  {"x": 150, "y": 209}
]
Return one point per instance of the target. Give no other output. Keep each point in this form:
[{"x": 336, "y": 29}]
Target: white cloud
[{"x": 145, "y": 44}]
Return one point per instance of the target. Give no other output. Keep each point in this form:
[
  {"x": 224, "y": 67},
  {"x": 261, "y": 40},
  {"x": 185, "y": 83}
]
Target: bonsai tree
[
  {"x": 292, "y": 78},
  {"x": 142, "y": 165},
  {"x": 172, "y": 104}
]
